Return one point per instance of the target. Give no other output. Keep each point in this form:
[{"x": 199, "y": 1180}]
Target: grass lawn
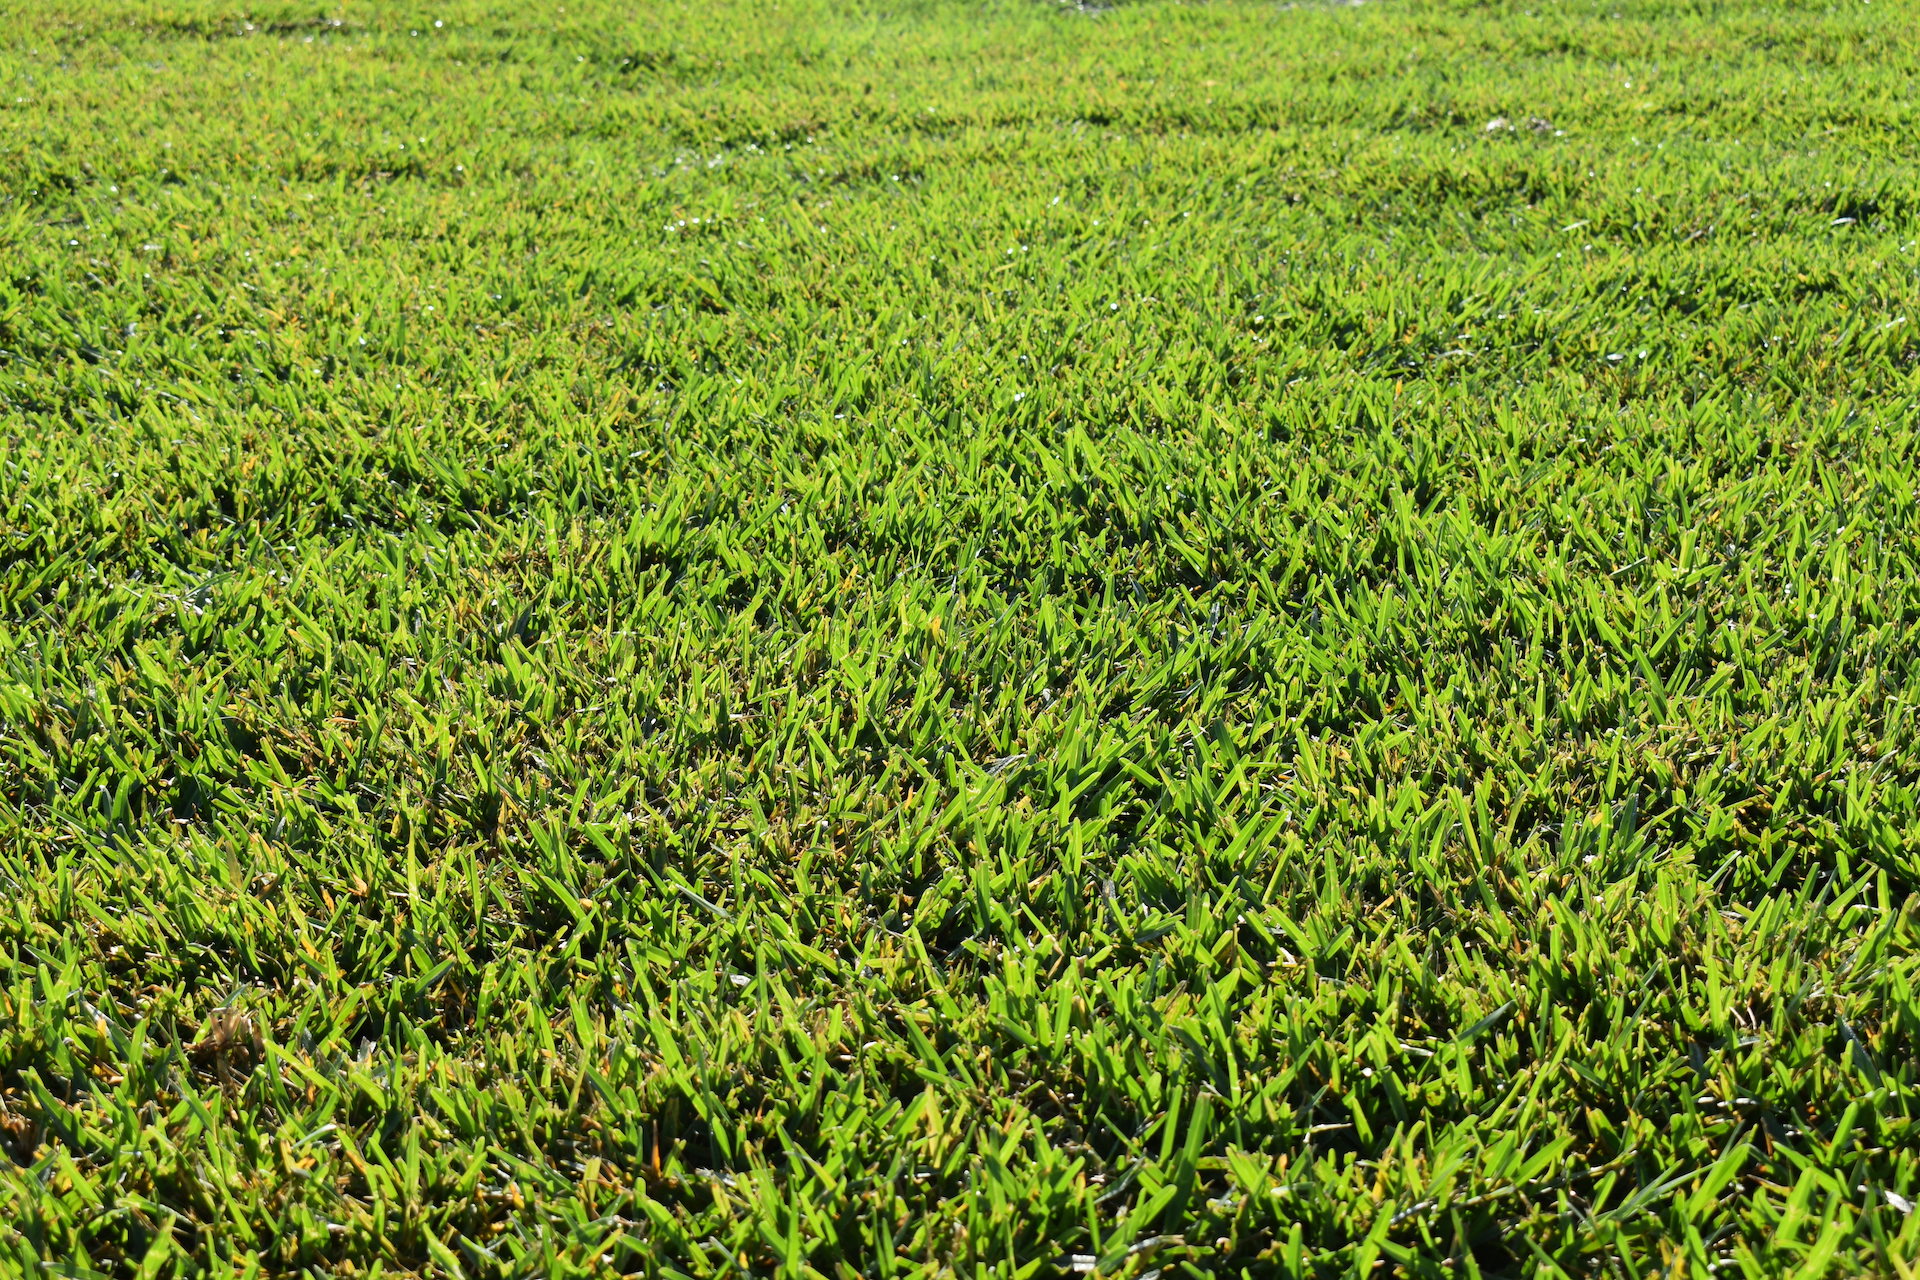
[{"x": 715, "y": 637}]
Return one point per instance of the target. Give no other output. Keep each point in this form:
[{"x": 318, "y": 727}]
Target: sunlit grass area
[{"x": 993, "y": 639}]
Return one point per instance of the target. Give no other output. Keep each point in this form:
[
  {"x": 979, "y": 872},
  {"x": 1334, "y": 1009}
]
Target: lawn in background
[{"x": 959, "y": 639}]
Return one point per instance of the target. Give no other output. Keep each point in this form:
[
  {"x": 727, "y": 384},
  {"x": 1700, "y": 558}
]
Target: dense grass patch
[{"x": 984, "y": 639}]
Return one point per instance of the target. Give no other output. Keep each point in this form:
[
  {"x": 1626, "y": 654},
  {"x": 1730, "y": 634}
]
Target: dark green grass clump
[{"x": 984, "y": 640}]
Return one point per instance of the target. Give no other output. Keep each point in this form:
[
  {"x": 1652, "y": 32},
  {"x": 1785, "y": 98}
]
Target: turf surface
[{"x": 727, "y": 638}]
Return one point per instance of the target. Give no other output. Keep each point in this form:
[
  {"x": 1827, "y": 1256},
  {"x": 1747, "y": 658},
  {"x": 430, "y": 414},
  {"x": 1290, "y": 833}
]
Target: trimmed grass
[{"x": 790, "y": 639}]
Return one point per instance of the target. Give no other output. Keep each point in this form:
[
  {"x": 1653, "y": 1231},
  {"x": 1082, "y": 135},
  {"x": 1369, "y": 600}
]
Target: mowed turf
[{"x": 959, "y": 639}]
